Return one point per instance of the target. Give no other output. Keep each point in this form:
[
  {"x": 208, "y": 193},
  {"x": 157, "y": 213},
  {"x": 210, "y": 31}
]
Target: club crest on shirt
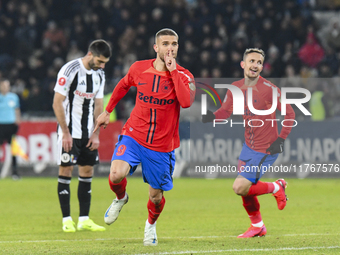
[
  {"x": 165, "y": 86},
  {"x": 96, "y": 82},
  {"x": 256, "y": 102}
]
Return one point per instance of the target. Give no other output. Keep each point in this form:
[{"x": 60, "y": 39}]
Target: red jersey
[
  {"x": 154, "y": 120},
  {"x": 261, "y": 137}
]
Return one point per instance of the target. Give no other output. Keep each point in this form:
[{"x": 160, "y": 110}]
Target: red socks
[
  {"x": 251, "y": 203},
  {"x": 155, "y": 210},
  {"x": 261, "y": 188},
  {"x": 252, "y": 206},
  {"x": 118, "y": 188}
]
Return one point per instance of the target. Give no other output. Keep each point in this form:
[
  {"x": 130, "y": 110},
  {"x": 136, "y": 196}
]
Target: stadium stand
[{"x": 38, "y": 37}]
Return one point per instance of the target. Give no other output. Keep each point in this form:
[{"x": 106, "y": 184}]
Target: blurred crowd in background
[{"x": 301, "y": 40}]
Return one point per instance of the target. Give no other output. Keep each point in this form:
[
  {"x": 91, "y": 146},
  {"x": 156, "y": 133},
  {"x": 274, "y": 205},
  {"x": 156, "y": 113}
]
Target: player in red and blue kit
[
  {"x": 151, "y": 133},
  {"x": 262, "y": 142}
]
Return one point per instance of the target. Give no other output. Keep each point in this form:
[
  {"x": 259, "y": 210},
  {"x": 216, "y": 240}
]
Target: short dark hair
[
  {"x": 251, "y": 50},
  {"x": 165, "y": 31},
  {"x": 100, "y": 47}
]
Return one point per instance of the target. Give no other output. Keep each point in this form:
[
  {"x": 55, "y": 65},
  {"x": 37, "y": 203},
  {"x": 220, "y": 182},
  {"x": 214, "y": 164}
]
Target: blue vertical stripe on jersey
[
  {"x": 155, "y": 85},
  {"x": 154, "y": 82},
  {"x": 154, "y": 125},
  {"x": 150, "y": 122},
  {"x": 159, "y": 79},
  {"x": 152, "y": 128},
  {"x": 245, "y": 97}
]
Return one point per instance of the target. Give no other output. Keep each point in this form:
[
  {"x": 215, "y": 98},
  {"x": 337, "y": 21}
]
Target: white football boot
[
  {"x": 150, "y": 236},
  {"x": 114, "y": 209}
]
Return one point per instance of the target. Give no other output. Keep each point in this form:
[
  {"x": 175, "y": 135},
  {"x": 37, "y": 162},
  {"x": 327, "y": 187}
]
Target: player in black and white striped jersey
[{"x": 78, "y": 101}]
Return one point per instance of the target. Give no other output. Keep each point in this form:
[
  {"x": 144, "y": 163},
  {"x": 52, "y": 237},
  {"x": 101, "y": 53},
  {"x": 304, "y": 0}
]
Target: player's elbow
[
  {"x": 54, "y": 105},
  {"x": 186, "y": 104},
  {"x": 291, "y": 115}
]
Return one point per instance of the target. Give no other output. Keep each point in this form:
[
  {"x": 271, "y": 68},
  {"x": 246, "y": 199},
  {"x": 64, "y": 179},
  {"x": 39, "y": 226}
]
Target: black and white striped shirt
[{"x": 81, "y": 87}]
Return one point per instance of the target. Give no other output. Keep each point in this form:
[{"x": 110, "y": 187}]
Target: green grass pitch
[{"x": 201, "y": 216}]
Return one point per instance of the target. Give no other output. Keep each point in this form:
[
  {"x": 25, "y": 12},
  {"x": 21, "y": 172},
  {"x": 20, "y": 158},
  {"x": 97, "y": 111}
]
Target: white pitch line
[
  {"x": 312, "y": 234},
  {"x": 245, "y": 250},
  {"x": 166, "y": 237}
]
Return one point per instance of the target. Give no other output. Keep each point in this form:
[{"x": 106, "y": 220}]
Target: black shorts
[
  {"x": 7, "y": 131},
  {"x": 79, "y": 154}
]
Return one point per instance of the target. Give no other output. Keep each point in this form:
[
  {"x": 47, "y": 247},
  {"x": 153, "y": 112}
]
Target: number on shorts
[{"x": 121, "y": 149}]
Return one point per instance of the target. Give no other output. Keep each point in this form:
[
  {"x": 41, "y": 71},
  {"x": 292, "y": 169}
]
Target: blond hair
[{"x": 251, "y": 50}]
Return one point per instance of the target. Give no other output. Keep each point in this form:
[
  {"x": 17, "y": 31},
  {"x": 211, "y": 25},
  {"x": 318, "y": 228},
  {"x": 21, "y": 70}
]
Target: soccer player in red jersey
[
  {"x": 151, "y": 133},
  {"x": 262, "y": 142}
]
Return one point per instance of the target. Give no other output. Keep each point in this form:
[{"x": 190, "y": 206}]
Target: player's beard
[
  {"x": 162, "y": 58},
  {"x": 92, "y": 65}
]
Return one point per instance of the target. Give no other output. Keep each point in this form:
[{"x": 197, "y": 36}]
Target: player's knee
[
  {"x": 156, "y": 199},
  {"x": 240, "y": 189},
  {"x": 85, "y": 171},
  {"x": 65, "y": 171},
  {"x": 119, "y": 169},
  {"x": 116, "y": 177}
]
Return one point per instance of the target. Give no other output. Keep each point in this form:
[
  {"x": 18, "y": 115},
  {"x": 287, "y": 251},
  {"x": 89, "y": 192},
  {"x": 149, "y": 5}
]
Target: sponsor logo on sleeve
[
  {"x": 192, "y": 86},
  {"x": 61, "y": 81}
]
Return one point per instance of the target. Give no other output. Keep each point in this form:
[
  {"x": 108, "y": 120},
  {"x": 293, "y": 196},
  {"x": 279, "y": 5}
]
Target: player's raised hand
[
  {"x": 102, "y": 120},
  {"x": 170, "y": 61}
]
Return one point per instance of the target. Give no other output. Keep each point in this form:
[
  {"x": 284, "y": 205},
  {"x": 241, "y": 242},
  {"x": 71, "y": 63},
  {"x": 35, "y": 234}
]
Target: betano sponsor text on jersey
[{"x": 154, "y": 100}]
